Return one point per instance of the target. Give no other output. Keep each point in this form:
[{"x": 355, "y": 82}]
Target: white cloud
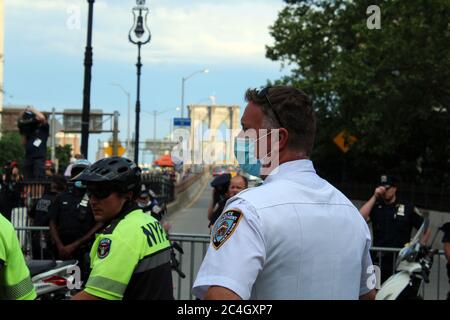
[{"x": 201, "y": 32}]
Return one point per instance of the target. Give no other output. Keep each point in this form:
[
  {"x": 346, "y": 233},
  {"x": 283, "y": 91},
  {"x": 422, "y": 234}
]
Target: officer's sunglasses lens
[{"x": 99, "y": 193}]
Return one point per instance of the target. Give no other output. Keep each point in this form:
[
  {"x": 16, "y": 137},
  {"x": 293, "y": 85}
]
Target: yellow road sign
[
  {"x": 344, "y": 140},
  {"x": 120, "y": 150}
]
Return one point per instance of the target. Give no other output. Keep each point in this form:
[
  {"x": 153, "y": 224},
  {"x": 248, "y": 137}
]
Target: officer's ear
[{"x": 283, "y": 137}]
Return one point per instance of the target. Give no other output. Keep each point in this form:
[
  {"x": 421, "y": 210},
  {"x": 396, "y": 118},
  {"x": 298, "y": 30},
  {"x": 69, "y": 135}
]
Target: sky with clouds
[{"x": 44, "y": 53}]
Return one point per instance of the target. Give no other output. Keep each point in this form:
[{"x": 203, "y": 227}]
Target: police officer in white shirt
[{"x": 295, "y": 236}]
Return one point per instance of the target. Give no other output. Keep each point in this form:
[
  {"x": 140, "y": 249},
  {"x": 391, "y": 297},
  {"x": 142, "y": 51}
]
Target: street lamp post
[
  {"x": 87, "y": 83},
  {"x": 129, "y": 111},
  {"x": 155, "y": 114},
  {"x": 139, "y": 35},
  {"x": 183, "y": 81}
]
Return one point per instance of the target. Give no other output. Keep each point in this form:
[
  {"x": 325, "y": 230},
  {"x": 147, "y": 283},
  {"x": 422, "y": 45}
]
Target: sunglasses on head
[
  {"x": 99, "y": 193},
  {"x": 264, "y": 94}
]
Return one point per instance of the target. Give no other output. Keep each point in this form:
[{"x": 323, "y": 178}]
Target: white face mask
[{"x": 143, "y": 205}]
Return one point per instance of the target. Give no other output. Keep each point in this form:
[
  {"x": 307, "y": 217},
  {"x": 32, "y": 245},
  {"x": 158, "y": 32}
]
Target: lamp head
[{"x": 139, "y": 33}]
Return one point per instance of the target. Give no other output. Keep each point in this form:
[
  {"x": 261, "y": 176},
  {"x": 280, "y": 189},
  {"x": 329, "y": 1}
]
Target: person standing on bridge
[
  {"x": 295, "y": 236},
  {"x": 34, "y": 128},
  {"x": 130, "y": 258},
  {"x": 235, "y": 185}
]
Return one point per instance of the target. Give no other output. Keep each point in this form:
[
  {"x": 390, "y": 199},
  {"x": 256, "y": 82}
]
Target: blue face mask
[
  {"x": 244, "y": 151},
  {"x": 79, "y": 184}
]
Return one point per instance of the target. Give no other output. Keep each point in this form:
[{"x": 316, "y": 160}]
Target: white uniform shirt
[{"x": 294, "y": 237}]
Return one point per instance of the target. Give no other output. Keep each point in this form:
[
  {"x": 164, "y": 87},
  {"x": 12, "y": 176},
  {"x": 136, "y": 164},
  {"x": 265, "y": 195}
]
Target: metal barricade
[
  {"x": 196, "y": 245},
  {"x": 26, "y": 233},
  {"x": 20, "y": 220},
  {"x": 28, "y": 192}
]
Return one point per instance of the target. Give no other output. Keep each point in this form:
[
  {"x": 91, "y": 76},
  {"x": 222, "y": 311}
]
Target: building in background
[
  {"x": 10, "y": 115},
  {"x": 213, "y": 129},
  {"x": 73, "y": 139}
]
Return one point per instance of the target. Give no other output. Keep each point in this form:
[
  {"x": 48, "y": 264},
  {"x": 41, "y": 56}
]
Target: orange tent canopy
[{"x": 164, "y": 161}]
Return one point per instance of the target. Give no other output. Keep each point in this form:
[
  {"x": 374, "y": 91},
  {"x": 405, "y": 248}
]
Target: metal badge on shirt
[
  {"x": 84, "y": 201},
  {"x": 401, "y": 210},
  {"x": 37, "y": 142},
  {"x": 225, "y": 226},
  {"x": 103, "y": 248}
]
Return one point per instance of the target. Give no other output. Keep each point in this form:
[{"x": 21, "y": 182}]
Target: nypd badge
[
  {"x": 103, "y": 248},
  {"x": 401, "y": 210},
  {"x": 225, "y": 226}
]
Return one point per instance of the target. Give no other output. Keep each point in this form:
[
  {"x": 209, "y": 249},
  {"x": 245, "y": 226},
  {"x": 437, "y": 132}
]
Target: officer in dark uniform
[
  {"x": 41, "y": 244},
  {"x": 149, "y": 204},
  {"x": 392, "y": 222},
  {"x": 72, "y": 224},
  {"x": 220, "y": 186},
  {"x": 34, "y": 128},
  {"x": 446, "y": 241}
]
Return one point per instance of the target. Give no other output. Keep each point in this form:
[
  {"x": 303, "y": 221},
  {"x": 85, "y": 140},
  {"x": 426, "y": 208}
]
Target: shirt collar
[
  {"x": 127, "y": 208},
  {"x": 285, "y": 170}
]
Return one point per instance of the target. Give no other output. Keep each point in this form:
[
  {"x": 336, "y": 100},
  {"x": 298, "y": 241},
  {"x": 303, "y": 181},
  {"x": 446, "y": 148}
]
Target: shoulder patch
[
  {"x": 225, "y": 226},
  {"x": 103, "y": 248}
]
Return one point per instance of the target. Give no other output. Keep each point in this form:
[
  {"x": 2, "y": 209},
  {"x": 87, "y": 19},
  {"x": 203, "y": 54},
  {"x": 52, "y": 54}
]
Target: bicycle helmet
[
  {"x": 78, "y": 167},
  {"x": 120, "y": 173}
]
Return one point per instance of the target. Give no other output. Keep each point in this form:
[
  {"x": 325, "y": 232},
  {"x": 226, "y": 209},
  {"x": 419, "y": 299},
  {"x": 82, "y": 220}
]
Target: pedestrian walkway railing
[
  {"x": 195, "y": 247},
  {"x": 31, "y": 190},
  {"x": 25, "y": 235}
]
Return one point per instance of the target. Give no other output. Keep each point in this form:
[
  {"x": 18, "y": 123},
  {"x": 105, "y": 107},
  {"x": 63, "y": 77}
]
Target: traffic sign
[
  {"x": 181, "y": 122},
  {"x": 344, "y": 140},
  {"x": 120, "y": 150}
]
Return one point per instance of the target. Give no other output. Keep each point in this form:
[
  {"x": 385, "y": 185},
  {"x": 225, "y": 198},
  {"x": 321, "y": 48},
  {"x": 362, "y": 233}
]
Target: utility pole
[
  {"x": 53, "y": 135},
  {"x": 87, "y": 83},
  {"x": 155, "y": 114},
  {"x": 115, "y": 146}
]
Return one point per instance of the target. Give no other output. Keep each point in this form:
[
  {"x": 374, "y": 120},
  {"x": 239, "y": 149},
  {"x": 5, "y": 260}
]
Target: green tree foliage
[
  {"x": 389, "y": 87},
  {"x": 62, "y": 153},
  {"x": 11, "y": 148}
]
